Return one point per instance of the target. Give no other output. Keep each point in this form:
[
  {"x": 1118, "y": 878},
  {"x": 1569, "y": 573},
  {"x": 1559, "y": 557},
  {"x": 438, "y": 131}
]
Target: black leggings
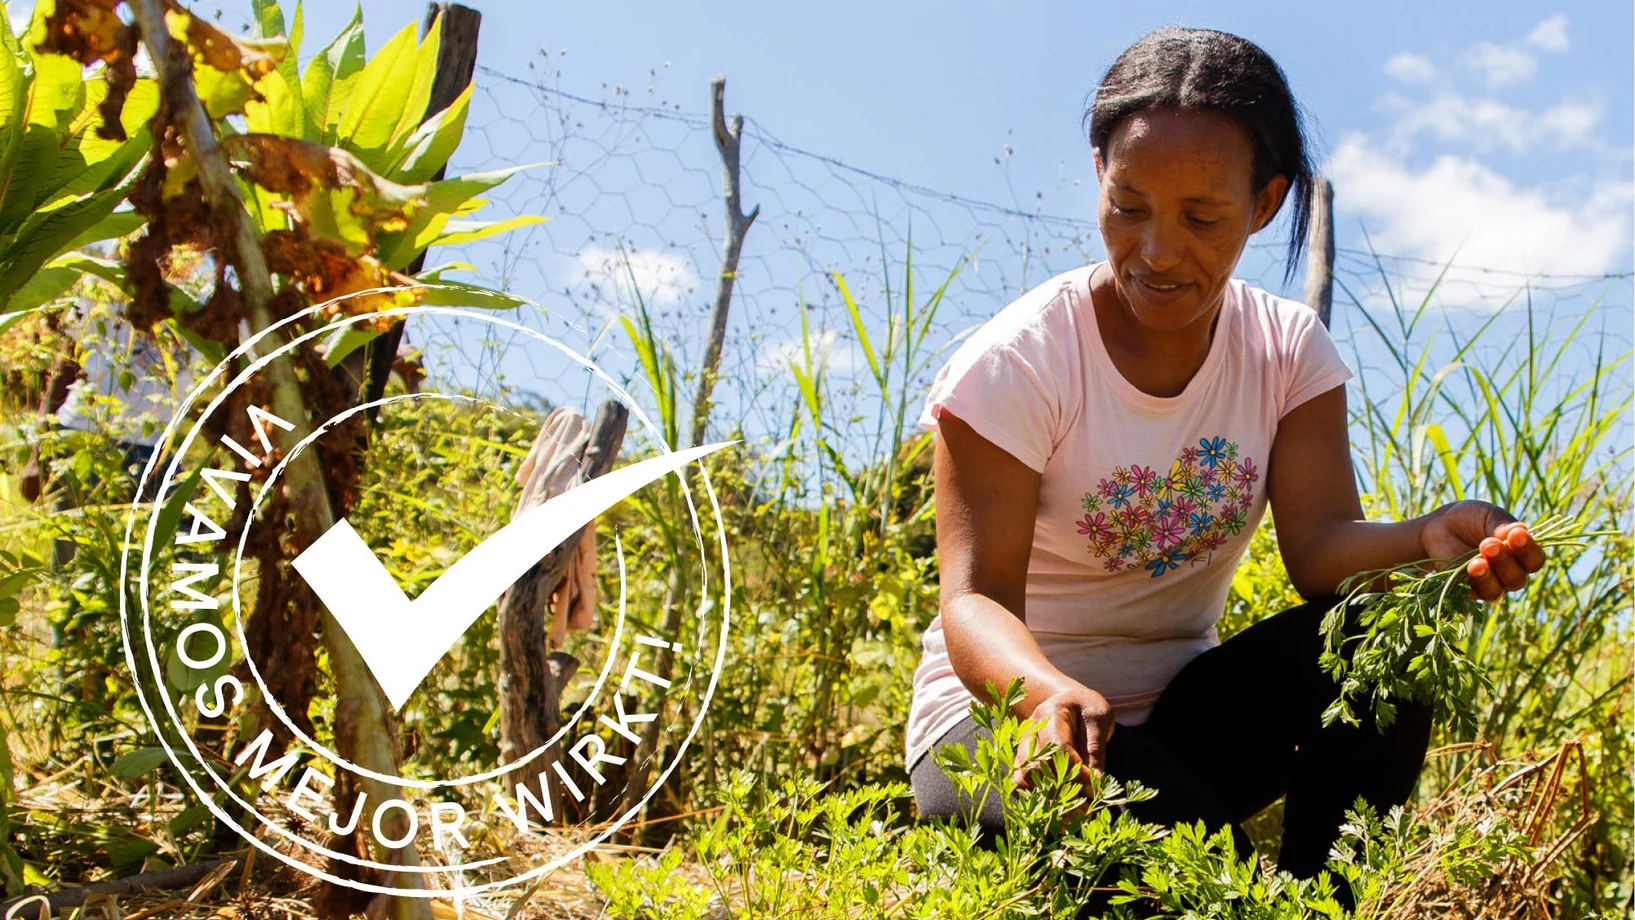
[{"x": 1239, "y": 727}]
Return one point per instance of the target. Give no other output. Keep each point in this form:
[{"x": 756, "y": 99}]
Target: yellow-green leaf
[
  {"x": 45, "y": 234},
  {"x": 376, "y": 102},
  {"x": 223, "y": 92},
  {"x": 329, "y": 78},
  {"x": 428, "y": 149},
  {"x": 137, "y": 763},
  {"x": 469, "y": 231},
  {"x": 279, "y": 111},
  {"x": 444, "y": 199},
  {"x": 269, "y": 18},
  {"x": 425, "y": 74},
  {"x": 15, "y": 75},
  {"x": 460, "y": 294}
]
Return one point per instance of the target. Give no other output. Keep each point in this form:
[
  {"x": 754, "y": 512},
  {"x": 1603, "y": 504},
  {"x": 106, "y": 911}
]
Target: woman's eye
[
  {"x": 1119, "y": 210},
  {"x": 1204, "y": 223}
]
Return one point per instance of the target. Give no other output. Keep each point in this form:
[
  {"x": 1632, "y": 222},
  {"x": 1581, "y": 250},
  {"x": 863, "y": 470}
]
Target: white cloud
[
  {"x": 1551, "y": 34},
  {"x": 1452, "y": 118},
  {"x": 662, "y": 278},
  {"x": 1486, "y": 124},
  {"x": 1423, "y": 185},
  {"x": 1410, "y": 67},
  {"x": 1572, "y": 123},
  {"x": 1458, "y": 205},
  {"x": 1501, "y": 65}
]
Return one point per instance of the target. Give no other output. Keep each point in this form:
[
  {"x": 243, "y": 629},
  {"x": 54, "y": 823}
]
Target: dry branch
[
  {"x": 159, "y": 879},
  {"x": 727, "y": 140},
  {"x": 1320, "y": 250}
]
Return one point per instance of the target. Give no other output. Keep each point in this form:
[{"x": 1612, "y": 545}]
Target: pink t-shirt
[{"x": 1146, "y": 503}]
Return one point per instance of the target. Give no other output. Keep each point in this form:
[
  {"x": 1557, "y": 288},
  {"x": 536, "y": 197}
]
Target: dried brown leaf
[
  {"x": 90, "y": 32},
  {"x": 301, "y": 169},
  {"x": 324, "y": 270},
  {"x": 222, "y": 50}
]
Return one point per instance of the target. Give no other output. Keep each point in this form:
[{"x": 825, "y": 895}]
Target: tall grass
[{"x": 1529, "y": 412}]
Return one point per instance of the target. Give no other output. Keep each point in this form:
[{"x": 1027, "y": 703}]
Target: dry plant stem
[
  {"x": 164, "y": 879},
  {"x": 728, "y": 135},
  {"x": 727, "y": 139},
  {"x": 369, "y": 743}
]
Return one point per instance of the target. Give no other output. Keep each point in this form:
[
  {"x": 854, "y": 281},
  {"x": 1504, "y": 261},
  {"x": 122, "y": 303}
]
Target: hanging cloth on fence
[{"x": 551, "y": 468}]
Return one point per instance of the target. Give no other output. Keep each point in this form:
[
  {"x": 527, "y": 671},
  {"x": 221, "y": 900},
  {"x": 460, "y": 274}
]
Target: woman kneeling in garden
[{"x": 1107, "y": 445}]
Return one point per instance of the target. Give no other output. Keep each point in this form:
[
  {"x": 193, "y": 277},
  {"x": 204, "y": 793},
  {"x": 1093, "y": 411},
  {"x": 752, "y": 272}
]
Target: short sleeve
[
  {"x": 1313, "y": 365},
  {"x": 1006, "y": 383}
]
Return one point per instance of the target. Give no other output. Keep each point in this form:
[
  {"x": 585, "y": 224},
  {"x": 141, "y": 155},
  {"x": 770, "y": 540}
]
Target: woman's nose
[{"x": 1159, "y": 249}]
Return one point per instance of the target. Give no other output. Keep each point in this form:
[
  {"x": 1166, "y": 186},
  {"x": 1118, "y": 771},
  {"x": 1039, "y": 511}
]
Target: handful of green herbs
[{"x": 1412, "y": 644}]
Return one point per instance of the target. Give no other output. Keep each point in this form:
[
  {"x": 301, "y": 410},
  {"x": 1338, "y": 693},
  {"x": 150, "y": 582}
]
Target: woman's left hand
[{"x": 1507, "y": 552}]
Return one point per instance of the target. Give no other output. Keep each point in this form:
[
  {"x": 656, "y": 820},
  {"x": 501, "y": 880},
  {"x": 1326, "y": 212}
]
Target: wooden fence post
[
  {"x": 1320, "y": 250},
  {"x": 678, "y": 597},
  {"x": 456, "y": 65},
  {"x": 530, "y": 680},
  {"x": 727, "y": 137}
]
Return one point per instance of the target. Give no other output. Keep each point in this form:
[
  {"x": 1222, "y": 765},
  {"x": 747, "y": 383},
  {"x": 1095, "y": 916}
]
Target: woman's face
[{"x": 1176, "y": 207}]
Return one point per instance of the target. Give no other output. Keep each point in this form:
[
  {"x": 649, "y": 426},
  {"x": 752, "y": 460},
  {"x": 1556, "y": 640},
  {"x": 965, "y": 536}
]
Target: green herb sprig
[{"x": 1412, "y": 644}]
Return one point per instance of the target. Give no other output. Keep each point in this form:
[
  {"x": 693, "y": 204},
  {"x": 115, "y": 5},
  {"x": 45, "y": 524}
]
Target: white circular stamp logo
[{"x": 190, "y": 591}]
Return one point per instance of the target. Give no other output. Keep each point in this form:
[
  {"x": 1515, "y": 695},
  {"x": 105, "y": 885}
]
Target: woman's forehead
[
  {"x": 1165, "y": 146},
  {"x": 1179, "y": 127}
]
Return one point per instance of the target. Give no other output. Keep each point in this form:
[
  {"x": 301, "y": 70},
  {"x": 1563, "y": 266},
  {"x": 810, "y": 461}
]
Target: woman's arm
[
  {"x": 986, "y": 504},
  {"x": 1324, "y": 538}
]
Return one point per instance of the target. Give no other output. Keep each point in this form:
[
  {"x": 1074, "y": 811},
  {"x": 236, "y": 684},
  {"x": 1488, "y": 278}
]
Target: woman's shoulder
[
  {"x": 1045, "y": 312},
  {"x": 1280, "y": 322}
]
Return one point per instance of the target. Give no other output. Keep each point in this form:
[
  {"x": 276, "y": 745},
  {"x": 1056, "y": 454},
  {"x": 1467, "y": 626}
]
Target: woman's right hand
[{"x": 1077, "y": 719}]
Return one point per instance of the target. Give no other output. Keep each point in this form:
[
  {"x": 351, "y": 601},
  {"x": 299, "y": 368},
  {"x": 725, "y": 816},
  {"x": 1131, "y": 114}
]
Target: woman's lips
[{"x": 1160, "y": 296}]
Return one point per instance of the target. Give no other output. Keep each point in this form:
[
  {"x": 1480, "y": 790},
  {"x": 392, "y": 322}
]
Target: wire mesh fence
[{"x": 632, "y": 189}]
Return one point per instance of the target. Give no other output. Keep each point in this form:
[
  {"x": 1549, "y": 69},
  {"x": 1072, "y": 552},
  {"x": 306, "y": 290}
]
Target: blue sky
[
  {"x": 1505, "y": 126},
  {"x": 1509, "y": 122}
]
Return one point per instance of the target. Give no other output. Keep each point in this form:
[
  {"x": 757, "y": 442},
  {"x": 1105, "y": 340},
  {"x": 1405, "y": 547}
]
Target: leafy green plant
[
  {"x": 795, "y": 850},
  {"x": 1413, "y": 635},
  {"x": 371, "y": 108},
  {"x": 17, "y": 572},
  {"x": 61, "y": 175},
  {"x": 1527, "y": 407},
  {"x": 862, "y": 572}
]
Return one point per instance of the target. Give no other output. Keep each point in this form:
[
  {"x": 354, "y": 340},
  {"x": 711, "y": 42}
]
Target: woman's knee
[
  {"x": 1182, "y": 796},
  {"x": 937, "y": 800}
]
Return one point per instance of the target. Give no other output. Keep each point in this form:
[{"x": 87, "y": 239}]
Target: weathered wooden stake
[
  {"x": 727, "y": 138},
  {"x": 530, "y": 681},
  {"x": 1320, "y": 250},
  {"x": 456, "y": 65}
]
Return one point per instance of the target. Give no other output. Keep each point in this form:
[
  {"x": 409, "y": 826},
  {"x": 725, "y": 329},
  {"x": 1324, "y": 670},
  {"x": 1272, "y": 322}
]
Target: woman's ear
[
  {"x": 1269, "y": 200},
  {"x": 1096, "y": 156}
]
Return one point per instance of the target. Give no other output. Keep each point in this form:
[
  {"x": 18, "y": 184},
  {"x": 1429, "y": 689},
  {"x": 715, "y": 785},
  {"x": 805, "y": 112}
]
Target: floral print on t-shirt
[{"x": 1141, "y": 518}]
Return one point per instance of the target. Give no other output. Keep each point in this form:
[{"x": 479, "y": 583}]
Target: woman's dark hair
[{"x": 1206, "y": 70}]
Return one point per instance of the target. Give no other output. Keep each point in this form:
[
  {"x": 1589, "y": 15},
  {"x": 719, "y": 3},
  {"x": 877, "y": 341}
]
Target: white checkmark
[{"x": 400, "y": 640}]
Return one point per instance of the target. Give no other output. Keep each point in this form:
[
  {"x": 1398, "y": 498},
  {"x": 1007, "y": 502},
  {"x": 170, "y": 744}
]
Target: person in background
[{"x": 109, "y": 384}]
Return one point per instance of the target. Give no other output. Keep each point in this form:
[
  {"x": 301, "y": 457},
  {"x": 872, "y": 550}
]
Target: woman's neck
[{"x": 1154, "y": 362}]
